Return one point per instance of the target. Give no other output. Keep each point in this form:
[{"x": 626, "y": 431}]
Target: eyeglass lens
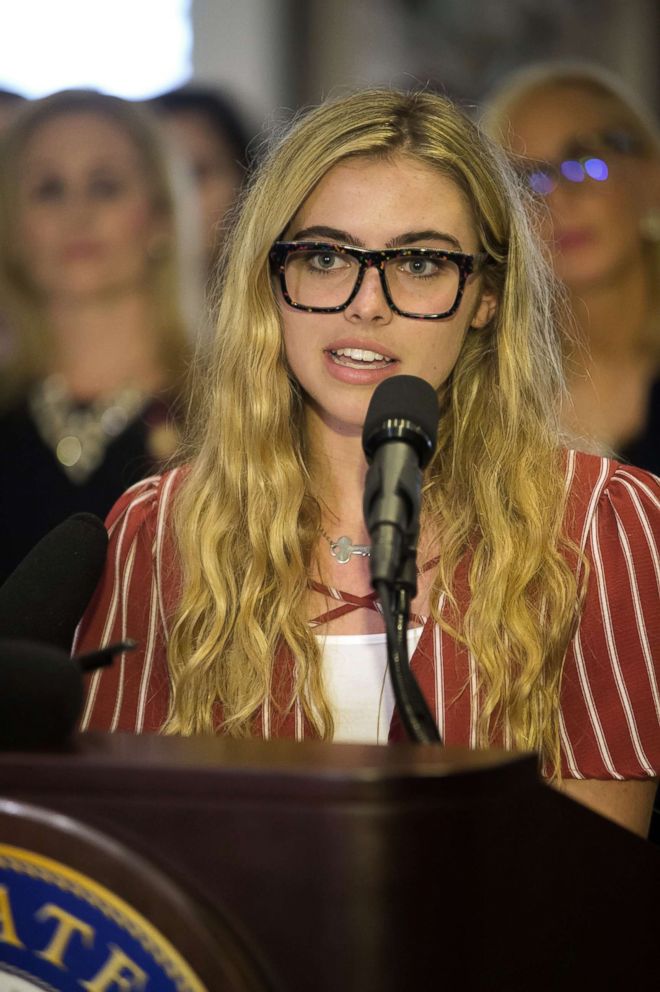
[
  {"x": 546, "y": 179},
  {"x": 416, "y": 284},
  {"x": 585, "y": 158}
]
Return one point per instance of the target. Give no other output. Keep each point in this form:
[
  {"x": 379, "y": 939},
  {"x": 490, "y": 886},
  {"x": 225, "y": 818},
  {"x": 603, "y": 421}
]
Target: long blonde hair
[
  {"x": 246, "y": 521},
  {"x": 30, "y": 347}
]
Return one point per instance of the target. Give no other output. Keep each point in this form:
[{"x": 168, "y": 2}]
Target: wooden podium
[{"x": 312, "y": 867}]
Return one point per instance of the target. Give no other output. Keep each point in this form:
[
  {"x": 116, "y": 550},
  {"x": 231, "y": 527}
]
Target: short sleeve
[
  {"x": 132, "y": 694},
  {"x": 610, "y": 704}
]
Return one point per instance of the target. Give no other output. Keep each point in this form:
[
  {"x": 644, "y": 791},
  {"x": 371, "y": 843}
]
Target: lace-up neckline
[{"x": 350, "y": 602}]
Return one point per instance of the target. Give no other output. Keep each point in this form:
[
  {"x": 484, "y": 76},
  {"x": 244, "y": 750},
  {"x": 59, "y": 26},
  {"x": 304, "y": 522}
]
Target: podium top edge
[{"x": 284, "y": 757}]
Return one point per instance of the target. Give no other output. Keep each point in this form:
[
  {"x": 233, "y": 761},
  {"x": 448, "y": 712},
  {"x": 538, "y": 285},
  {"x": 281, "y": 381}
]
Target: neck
[
  {"x": 338, "y": 468},
  {"x": 613, "y": 314},
  {"x": 102, "y": 345}
]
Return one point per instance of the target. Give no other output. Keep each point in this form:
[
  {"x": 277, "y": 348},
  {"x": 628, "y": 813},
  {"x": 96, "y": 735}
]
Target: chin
[
  {"x": 582, "y": 273},
  {"x": 346, "y": 419}
]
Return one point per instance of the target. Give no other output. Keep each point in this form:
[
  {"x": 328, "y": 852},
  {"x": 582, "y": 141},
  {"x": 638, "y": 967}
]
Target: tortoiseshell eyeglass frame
[{"x": 466, "y": 265}]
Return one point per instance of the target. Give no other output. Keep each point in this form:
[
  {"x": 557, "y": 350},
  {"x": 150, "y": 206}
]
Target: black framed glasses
[
  {"x": 586, "y": 158},
  {"x": 423, "y": 283}
]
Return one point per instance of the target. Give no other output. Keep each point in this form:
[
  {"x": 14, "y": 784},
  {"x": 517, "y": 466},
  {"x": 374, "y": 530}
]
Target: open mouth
[{"x": 360, "y": 358}]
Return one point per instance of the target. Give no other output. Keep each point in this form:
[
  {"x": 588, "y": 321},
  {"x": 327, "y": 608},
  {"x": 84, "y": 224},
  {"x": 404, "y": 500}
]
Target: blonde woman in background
[
  {"x": 95, "y": 341},
  {"x": 590, "y": 151},
  {"x": 384, "y": 235}
]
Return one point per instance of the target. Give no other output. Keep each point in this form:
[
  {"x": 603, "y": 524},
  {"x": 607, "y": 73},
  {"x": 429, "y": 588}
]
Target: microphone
[
  {"x": 399, "y": 438},
  {"x": 41, "y": 603},
  {"x": 41, "y": 695},
  {"x": 46, "y": 595},
  {"x": 41, "y": 691}
]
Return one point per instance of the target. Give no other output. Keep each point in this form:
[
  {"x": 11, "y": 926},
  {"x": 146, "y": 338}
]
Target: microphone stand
[{"x": 395, "y": 599}]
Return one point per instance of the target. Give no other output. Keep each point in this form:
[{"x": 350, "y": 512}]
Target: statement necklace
[
  {"x": 80, "y": 435},
  {"x": 344, "y": 549}
]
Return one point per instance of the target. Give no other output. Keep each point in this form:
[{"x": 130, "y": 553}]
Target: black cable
[{"x": 415, "y": 714}]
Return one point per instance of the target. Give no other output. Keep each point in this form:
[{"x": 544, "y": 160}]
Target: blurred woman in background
[
  {"x": 10, "y": 104},
  {"x": 213, "y": 138},
  {"x": 96, "y": 343},
  {"x": 591, "y": 152}
]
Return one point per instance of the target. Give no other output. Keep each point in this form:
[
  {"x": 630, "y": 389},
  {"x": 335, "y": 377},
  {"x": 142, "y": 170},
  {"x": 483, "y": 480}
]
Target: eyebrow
[{"x": 401, "y": 240}]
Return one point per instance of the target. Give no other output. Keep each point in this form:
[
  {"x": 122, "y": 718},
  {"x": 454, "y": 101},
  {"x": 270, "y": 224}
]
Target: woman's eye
[
  {"x": 47, "y": 190},
  {"x": 106, "y": 187},
  {"x": 325, "y": 260},
  {"x": 420, "y": 266}
]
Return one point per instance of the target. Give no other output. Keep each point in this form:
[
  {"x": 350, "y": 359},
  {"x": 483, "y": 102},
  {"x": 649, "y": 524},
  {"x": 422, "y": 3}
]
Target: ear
[{"x": 484, "y": 311}]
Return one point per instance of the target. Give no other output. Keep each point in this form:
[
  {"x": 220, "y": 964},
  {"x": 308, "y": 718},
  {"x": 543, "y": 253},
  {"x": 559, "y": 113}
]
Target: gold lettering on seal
[
  {"x": 64, "y": 931},
  {"x": 113, "y": 973},
  {"x": 8, "y": 933}
]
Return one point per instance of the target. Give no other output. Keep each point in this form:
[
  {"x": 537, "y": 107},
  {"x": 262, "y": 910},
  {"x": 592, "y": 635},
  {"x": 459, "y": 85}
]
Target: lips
[
  {"x": 568, "y": 240},
  {"x": 359, "y": 362},
  {"x": 360, "y": 354},
  {"x": 360, "y": 358},
  {"x": 81, "y": 250}
]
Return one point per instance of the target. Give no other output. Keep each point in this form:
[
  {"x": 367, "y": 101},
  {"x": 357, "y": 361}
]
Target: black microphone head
[
  {"x": 41, "y": 695},
  {"x": 46, "y": 595},
  {"x": 403, "y": 405}
]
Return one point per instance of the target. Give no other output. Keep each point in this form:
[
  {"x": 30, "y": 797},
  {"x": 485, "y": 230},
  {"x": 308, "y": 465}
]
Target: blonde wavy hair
[
  {"x": 246, "y": 521},
  {"x": 629, "y": 112},
  {"x": 30, "y": 347}
]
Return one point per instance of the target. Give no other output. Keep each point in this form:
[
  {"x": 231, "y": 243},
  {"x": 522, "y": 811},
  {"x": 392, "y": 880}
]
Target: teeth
[{"x": 360, "y": 355}]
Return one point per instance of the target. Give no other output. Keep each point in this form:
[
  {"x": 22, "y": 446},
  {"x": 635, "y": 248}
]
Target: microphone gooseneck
[{"x": 399, "y": 439}]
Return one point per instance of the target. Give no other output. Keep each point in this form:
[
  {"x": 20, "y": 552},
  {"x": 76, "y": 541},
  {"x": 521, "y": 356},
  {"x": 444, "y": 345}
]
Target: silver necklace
[
  {"x": 343, "y": 549},
  {"x": 80, "y": 436}
]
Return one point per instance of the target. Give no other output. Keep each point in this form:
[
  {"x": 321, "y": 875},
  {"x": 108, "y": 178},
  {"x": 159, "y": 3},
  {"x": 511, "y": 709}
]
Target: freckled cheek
[{"x": 437, "y": 360}]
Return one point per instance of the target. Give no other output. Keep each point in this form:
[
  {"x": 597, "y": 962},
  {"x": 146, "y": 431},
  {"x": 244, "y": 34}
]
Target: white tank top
[{"x": 358, "y": 684}]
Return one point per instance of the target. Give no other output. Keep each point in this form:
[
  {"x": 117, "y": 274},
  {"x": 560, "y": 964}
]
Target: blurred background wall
[{"x": 280, "y": 54}]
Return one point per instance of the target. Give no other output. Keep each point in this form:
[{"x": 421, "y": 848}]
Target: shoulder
[
  {"x": 610, "y": 691},
  {"x": 140, "y": 564},
  {"x": 144, "y": 508},
  {"x": 612, "y": 497}
]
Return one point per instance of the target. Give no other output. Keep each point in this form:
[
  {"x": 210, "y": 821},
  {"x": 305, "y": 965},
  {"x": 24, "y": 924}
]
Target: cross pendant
[{"x": 344, "y": 549}]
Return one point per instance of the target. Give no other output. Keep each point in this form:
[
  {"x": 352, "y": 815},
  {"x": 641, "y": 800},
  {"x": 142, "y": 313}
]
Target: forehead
[
  {"x": 80, "y": 135},
  {"x": 546, "y": 120},
  {"x": 377, "y": 200}
]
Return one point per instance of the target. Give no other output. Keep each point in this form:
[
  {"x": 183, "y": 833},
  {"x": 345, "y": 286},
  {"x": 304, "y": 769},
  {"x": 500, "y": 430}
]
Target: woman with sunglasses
[
  {"x": 382, "y": 236},
  {"x": 591, "y": 154}
]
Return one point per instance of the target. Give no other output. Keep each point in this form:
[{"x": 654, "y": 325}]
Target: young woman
[
  {"x": 385, "y": 235},
  {"x": 91, "y": 295},
  {"x": 591, "y": 153}
]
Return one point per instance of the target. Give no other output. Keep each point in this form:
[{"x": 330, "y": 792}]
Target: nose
[
  {"x": 563, "y": 204},
  {"x": 77, "y": 207},
  {"x": 370, "y": 303},
  {"x": 565, "y": 195}
]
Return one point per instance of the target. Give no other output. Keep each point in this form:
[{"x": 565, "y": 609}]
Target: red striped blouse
[{"x": 609, "y": 704}]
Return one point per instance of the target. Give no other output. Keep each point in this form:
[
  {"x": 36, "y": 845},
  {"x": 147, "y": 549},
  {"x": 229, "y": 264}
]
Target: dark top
[
  {"x": 37, "y": 494},
  {"x": 644, "y": 451}
]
